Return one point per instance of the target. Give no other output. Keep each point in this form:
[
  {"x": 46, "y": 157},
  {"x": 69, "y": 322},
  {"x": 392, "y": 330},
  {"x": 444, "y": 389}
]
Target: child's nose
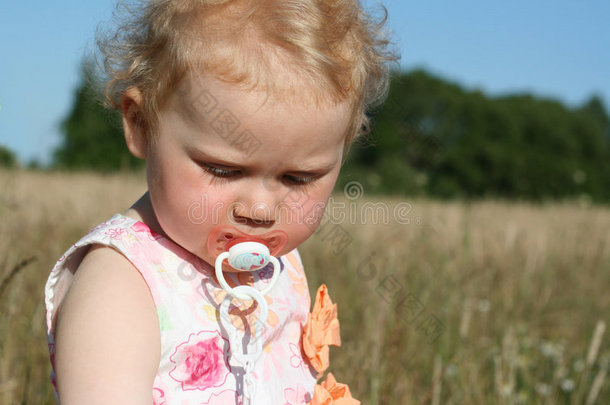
[
  {"x": 257, "y": 205},
  {"x": 256, "y": 213}
]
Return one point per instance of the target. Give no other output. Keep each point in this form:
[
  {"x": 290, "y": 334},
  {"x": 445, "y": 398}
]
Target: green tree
[
  {"x": 92, "y": 135},
  {"x": 7, "y": 158},
  {"x": 434, "y": 137}
]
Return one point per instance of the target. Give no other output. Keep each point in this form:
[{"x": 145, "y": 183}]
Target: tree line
[{"x": 431, "y": 137}]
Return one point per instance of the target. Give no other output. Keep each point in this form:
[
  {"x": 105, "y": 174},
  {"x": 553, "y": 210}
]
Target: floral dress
[{"x": 195, "y": 365}]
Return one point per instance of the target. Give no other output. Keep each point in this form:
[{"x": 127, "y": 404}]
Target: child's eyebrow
[
  {"x": 309, "y": 169},
  {"x": 203, "y": 156},
  {"x": 199, "y": 108},
  {"x": 194, "y": 114}
]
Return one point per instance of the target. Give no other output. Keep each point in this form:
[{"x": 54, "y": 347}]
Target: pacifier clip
[{"x": 244, "y": 255}]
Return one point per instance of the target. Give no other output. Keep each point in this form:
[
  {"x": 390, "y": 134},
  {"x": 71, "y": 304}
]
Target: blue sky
[{"x": 554, "y": 48}]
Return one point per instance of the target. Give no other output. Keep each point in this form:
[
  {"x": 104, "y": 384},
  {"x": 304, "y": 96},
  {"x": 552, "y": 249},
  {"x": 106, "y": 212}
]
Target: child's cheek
[
  {"x": 302, "y": 220},
  {"x": 208, "y": 208}
]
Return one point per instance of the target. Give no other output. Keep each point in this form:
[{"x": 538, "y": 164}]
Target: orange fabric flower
[
  {"x": 321, "y": 330},
  {"x": 330, "y": 392}
]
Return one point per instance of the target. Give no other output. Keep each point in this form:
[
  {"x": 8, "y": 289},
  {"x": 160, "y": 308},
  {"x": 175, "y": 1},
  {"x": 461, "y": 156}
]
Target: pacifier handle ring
[{"x": 232, "y": 291}]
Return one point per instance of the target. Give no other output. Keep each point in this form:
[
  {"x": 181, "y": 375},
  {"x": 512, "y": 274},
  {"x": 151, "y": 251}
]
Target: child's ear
[{"x": 134, "y": 125}]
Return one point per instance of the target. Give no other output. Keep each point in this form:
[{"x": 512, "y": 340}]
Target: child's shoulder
[
  {"x": 104, "y": 270},
  {"x": 106, "y": 318},
  {"x": 104, "y": 248},
  {"x": 104, "y": 279}
]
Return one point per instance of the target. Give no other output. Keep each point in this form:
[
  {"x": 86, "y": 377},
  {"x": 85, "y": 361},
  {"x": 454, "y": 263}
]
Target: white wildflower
[
  {"x": 543, "y": 389},
  {"x": 567, "y": 385},
  {"x": 483, "y": 306},
  {"x": 522, "y": 398},
  {"x": 451, "y": 370},
  {"x": 547, "y": 349}
]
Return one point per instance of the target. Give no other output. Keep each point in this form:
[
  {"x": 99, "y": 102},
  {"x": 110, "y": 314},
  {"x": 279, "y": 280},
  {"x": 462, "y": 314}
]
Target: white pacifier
[{"x": 247, "y": 255}]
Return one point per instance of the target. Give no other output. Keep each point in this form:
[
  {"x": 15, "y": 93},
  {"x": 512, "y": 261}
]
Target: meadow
[{"x": 486, "y": 302}]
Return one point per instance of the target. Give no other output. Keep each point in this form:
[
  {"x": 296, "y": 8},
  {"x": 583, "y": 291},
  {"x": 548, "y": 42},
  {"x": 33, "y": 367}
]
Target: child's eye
[
  {"x": 299, "y": 180},
  {"x": 220, "y": 171}
]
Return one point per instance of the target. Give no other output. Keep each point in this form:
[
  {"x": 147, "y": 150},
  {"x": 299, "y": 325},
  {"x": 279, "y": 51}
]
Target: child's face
[{"x": 222, "y": 156}]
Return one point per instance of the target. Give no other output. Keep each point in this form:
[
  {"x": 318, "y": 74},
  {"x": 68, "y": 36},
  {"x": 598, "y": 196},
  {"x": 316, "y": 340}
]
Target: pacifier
[
  {"x": 222, "y": 237},
  {"x": 245, "y": 253}
]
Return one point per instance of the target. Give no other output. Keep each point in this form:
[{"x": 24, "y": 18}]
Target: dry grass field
[{"x": 467, "y": 303}]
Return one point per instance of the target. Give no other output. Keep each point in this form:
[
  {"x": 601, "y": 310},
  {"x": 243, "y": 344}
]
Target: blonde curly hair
[{"x": 333, "y": 46}]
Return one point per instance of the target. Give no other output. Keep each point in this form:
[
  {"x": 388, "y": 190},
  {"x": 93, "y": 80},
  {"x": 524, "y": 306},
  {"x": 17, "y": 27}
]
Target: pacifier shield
[
  {"x": 248, "y": 255},
  {"x": 222, "y": 237}
]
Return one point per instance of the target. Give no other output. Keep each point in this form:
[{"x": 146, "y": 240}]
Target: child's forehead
[
  {"x": 220, "y": 112},
  {"x": 200, "y": 94}
]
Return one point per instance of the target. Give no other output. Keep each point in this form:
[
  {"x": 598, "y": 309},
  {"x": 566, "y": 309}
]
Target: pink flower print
[
  {"x": 295, "y": 266},
  {"x": 63, "y": 257},
  {"x": 224, "y": 397},
  {"x": 144, "y": 255},
  {"x": 100, "y": 226},
  {"x": 116, "y": 233},
  {"x": 118, "y": 221},
  {"x": 273, "y": 361},
  {"x": 284, "y": 305},
  {"x": 296, "y": 358},
  {"x": 272, "y": 318},
  {"x": 142, "y": 227},
  {"x": 202, "y": 361},
  {"x": 296, "y": 396},
  {"x": 265, "y": 274},
  {"x": 299, "y": 283},
  {"x": 158, "y": 397}
]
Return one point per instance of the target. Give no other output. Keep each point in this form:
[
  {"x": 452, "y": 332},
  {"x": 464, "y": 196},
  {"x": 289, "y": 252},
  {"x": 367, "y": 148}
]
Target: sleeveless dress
[{"x": 195, "y": 365}]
